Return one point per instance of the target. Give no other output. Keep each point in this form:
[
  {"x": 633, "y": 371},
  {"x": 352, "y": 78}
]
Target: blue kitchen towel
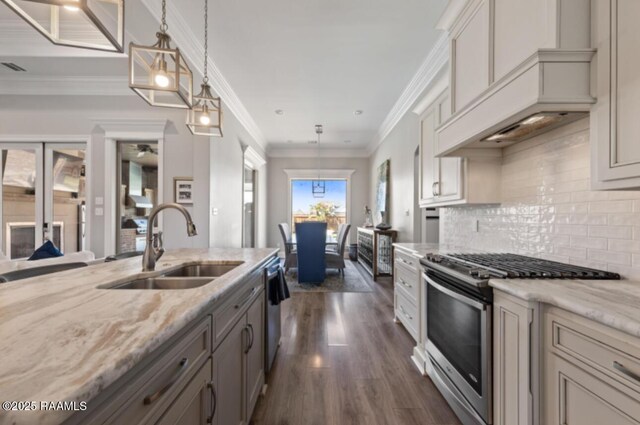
[{"x": 47, "y": 250}]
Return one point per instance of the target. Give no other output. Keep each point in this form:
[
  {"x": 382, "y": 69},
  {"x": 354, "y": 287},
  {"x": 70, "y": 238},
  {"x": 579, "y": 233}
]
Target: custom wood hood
[{"x": 517, "y": 70}]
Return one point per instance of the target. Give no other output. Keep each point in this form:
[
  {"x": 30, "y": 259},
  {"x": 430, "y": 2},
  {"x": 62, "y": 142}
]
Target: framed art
[{"x": 183, "y": 190}]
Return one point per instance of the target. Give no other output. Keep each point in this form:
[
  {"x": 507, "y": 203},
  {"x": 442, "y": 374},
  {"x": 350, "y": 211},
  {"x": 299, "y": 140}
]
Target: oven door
[{"x": 459, "y": 341}]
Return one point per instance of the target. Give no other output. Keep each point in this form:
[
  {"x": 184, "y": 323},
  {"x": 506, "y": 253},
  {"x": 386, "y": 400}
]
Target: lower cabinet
[
  {"x": 592, "y": 372},
  {"x": 195, "y": 403},
  {"x": 238, "y": 367},
  {"x": 513, "y": 364}
]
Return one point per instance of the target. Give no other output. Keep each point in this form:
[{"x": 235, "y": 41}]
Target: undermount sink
[
  {"x": 163, "y": 283},
  {"x": 204, "y": 269},
  {"x": 185, "y": 277}
]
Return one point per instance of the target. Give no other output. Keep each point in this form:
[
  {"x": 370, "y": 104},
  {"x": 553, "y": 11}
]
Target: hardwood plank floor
[{"x": 344, "y": 361}]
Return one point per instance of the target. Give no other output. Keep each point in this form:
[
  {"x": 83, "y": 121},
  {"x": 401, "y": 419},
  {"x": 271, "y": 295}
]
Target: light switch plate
[
  {"x": 99, "y": 211},
  {"x": 99, "y": 200}
]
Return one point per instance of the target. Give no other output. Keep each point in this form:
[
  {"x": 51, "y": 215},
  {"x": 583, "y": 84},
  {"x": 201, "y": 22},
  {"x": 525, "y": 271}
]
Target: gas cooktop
[{"x": 511, "y": 266}]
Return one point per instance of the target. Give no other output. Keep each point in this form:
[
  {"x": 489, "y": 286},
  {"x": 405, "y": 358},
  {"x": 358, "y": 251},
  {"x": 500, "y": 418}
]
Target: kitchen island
[{"x": 67, "y": 338}]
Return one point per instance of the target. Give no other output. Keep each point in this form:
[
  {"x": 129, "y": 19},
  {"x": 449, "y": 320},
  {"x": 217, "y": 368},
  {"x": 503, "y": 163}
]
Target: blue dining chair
[{"x": 311, "y": 240}]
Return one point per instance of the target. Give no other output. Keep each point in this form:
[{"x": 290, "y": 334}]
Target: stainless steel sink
[
  {"x": 204, "y": 269},
  {"x": 162, "y": 283}
]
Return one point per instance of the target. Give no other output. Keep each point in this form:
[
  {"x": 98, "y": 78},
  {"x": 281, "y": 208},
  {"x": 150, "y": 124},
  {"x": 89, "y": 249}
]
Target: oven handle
[
  {"x": 453, "y": 294},
  {"x": 272, "y": 274}
]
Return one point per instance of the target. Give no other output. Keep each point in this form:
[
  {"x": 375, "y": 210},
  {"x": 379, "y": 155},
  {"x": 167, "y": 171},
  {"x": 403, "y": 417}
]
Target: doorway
[
  {"x": 137, "y": 183},
  {"x": 43, "y": 197},
  {"x": 249, "y": 207}
]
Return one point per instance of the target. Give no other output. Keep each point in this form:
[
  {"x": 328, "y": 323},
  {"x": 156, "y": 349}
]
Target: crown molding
[
  {"x": 306, "y": 173},
  {"x": 252, "y": 157},
  {"x": 314, "y": 153},
  {"x": 434, "y": 63},
  {"x": 20, "y": 84},
  {"x": 144, "y": 128},
  {"x": 451, "y": 14},
  {"x": 192, "y": 48}
]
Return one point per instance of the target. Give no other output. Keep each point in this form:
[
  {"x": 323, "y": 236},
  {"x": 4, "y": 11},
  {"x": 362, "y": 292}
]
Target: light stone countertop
[
  {"x": 614, "y": 303},
  {"x": 63, "y": 339}
]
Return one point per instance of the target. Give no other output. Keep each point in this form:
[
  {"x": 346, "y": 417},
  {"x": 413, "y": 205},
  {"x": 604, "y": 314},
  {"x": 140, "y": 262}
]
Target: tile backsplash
[{"x": 548, "y": 210}]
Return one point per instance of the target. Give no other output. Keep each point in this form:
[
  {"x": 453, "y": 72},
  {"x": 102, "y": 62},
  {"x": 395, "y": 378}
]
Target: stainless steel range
[{"x": 459, "y": 320}]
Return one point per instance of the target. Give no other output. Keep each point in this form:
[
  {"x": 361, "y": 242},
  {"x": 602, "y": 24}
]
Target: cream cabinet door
[
  {"x": 228, "y": 377},
  {"x": 513, "y": 401},
  {"x": 470, "y": 56},
  {"x": 194, "y": 404},
  {"x": 582, "y": 396},
  {"x": 255, "y": 353},
  {"x": 614, "y": 119}
]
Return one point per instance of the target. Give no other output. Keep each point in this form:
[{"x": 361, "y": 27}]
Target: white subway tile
[
  {"x": 584, "y": 242},
  {"x": 616, "y": 232},
  {"x": 609, "y": 257}
]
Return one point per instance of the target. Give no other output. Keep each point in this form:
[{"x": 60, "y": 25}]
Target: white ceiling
[{"x": 317, "y": 60}]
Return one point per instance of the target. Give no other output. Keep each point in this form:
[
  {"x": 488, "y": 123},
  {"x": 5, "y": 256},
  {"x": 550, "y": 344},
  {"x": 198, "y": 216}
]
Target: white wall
[
  {"x": 549, "y": 211},
  {"x": 218, "y": 162},
  {"x": 399, "y": 146},
  {"x": 278, "y": 187}
]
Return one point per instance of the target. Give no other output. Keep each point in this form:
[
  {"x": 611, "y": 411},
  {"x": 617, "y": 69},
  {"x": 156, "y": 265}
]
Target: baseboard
[{"x": 419, "y": 358}]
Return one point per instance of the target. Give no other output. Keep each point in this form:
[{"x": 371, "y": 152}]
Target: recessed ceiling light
[
  {"x": 347, "y": 141},
  {"x": 357, "y": 112},
  {"x": 279, "y": 112}
]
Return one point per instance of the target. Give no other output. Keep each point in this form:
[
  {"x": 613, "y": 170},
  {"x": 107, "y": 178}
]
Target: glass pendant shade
[
  {"x": 89, "y": 24},
  {"x": 318, "y": 188},
  {"x": 160, "y": 74},
  {"x": 205, "y": 116}
]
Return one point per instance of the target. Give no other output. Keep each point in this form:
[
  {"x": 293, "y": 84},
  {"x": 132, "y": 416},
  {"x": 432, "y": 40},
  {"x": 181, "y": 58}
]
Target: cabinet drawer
[
  {"x": 408, "y": 282},
  {"x": 228, "y": 314},
  {"x": 407, "y": 260},
  {"x": 407, "y": 313},
  {"x": 601, "y": 351},
  {"x": 168, "y": 375}
]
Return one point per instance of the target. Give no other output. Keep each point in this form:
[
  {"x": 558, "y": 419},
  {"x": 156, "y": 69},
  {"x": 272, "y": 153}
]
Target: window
[
  {"x": 331, "y": 207},
  {"x": 249, "y": 207}
]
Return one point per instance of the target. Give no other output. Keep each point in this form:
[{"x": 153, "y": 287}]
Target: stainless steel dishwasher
[{"x": 272, "y": 312}]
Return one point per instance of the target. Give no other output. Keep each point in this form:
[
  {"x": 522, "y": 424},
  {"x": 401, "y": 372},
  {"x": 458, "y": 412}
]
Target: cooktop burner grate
[{"x": 519, "y": 266}]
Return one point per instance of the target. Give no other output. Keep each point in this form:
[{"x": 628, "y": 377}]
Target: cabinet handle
[
  {"x": 405, "y": 313},
  {"x": 406, "y": 262},
  {"x": 251, "y": 340},
  {"x": 622, "y": 369},
  {"x": 184, "y": 363},
  {"x": 253, "y": 291},
  {"x": 214, "y": 401},
  {"x": 403, "y": 283},
  {"x": 433, "y": 188},
  {"x": 248, "y": 339},
  {"x": 436, "y": 189}
]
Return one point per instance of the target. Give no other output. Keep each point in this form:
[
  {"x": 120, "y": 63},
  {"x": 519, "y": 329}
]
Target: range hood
[
  {"x": 551, "y": 88},
  {"x": 136, "y": 198}
]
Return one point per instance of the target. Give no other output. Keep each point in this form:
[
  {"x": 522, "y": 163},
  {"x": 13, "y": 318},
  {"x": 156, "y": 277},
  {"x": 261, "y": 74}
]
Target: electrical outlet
[
  {"x": 214, "y": 211},
  {"x": 99, "y": 212}
]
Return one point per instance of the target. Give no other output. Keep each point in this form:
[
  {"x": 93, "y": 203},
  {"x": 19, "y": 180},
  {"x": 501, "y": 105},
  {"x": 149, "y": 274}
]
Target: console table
[{"x": 375, "y": 250}]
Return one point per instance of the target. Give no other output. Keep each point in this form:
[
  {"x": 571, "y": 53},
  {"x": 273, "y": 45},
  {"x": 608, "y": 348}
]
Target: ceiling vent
[{"x": 12, "y": 66}]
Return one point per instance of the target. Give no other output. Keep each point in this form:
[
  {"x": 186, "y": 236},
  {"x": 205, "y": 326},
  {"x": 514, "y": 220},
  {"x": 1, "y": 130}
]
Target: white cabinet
[
  {"x": 614, "y": 118},
  {"x": 450, "y": 181},
  {"x": 514, "y": 366},
  {"x": 591, "y": 372}
]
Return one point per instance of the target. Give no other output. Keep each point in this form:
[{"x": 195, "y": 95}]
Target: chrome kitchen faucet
[{"x": 154, "y": 249}]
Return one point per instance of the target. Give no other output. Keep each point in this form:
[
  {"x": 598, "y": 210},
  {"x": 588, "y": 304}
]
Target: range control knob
[{"x": 434, "y": 258}]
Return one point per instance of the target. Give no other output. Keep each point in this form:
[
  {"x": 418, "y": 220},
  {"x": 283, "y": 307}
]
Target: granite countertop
[
  {"x": 614, "y": 303},
  {"x": 63, "y": 339}
]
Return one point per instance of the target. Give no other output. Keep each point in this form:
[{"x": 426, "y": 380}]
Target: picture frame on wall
[{"x": 183, "y": 190}]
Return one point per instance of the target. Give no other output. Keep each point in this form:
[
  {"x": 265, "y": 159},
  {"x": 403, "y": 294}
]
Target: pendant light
[
  {"x": 318, "y": 186},
  {"x": 205, "y": 116},
  {"x": 89, "y": 24},
  {"x": 160, "y": 74}
]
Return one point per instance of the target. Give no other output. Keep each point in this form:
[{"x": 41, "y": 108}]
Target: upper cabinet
[
  {"x": 451, "y": 181},
  {"x": 614, "y": 119},
  {"x": 514, "y": 63}
]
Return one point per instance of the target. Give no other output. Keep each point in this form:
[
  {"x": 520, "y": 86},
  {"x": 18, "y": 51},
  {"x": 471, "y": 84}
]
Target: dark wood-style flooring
[{"x": 344, "y": 361}]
